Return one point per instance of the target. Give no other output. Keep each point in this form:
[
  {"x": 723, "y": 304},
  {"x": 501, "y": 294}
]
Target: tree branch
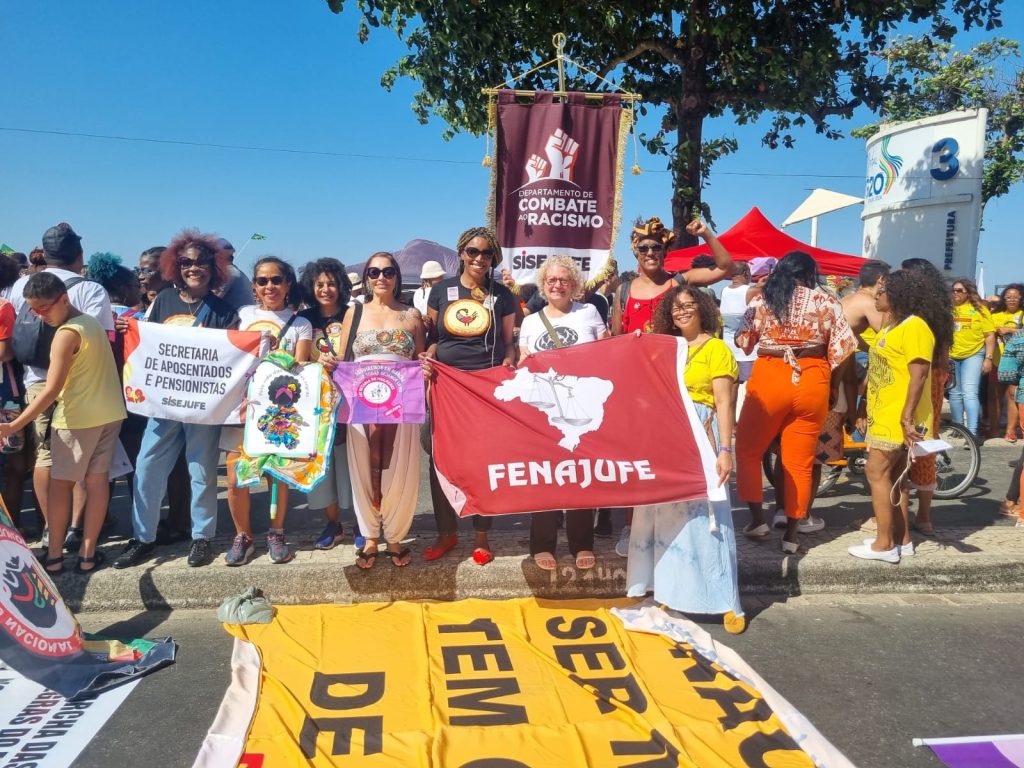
[{"x": 657, "y": 46}]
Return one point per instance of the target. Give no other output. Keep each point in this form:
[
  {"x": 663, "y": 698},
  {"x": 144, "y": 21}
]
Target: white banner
[
  {"x": 922, "y": 195},
  {"x": 283, "y": 410},
  {"x": 193, "y": 375},
  {"x": 43, "y": 729}
]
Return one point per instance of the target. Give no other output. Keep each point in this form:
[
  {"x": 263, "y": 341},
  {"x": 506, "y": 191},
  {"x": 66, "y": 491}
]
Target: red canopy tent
[{"x": 753, "y": 236}]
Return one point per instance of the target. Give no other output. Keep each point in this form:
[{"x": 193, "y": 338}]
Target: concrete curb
[{"x": 957, "y": 560}]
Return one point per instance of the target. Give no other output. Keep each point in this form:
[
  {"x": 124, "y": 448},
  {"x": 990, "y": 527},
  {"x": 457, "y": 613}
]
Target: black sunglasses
[
  {"x": 374, "y": 272},
  {"x": 275, "y": 280},
  {"x": 203, "y": 261},
  {"x": 474, "y": 253}
]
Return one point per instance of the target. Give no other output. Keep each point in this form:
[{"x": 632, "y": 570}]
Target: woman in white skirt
[
  {"x": 384, "y": 459},
  {"x": 685, "y": 552}
]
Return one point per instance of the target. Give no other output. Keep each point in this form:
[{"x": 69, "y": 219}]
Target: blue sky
[{"x": 293, "y": 76}]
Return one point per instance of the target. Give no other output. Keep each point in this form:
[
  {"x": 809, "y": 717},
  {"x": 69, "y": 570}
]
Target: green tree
[
  {"x": 800, "y": 61},
  {"x": 933, "y": 78}
]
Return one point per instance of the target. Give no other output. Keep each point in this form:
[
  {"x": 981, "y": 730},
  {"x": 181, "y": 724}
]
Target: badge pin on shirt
[{"x": 453, "y": 293}]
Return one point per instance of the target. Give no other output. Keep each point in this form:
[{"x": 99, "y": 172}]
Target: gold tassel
[
  {"x": 625, "y": 124},
  {"x": 492, "y": 128}
]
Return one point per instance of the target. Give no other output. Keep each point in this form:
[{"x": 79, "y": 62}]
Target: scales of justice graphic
[{"x": 569, "y": 411}]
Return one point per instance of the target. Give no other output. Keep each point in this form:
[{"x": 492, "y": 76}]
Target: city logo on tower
[{"x": 889, "y": 166}]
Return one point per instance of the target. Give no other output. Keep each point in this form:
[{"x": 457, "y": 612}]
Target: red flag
[{"x": 596, "y": 425}]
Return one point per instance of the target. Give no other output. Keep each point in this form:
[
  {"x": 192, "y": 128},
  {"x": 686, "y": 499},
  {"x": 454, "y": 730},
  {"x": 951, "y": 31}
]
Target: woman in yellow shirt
[
  {"x": 899, "y": 405},
  {"x": 973, "y": 352},
  {"x": 685, "y": 552},
  {"x": 1008, "y": 319}
]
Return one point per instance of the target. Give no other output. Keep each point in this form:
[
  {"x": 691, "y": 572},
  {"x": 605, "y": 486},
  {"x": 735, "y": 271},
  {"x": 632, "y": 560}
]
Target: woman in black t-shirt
[
  {"x": 327, "y": 291},
  {"x": 472, "y": 315}
]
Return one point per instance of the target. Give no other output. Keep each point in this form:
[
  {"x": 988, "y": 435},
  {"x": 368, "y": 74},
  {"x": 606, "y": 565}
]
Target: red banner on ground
[{"x": 604, "y": 424}]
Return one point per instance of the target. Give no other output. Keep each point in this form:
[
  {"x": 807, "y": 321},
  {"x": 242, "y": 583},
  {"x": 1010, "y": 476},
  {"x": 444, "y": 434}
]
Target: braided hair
[{"x": 487, "y": 234}]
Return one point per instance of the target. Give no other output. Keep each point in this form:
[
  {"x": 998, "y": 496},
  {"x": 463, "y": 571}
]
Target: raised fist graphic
[
  {"x": 536, "y": 168},
  {"x": 561, "y": 150}
]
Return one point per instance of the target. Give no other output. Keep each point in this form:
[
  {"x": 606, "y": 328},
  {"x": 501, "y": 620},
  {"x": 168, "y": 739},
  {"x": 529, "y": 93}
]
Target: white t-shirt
[
  {"x": 581, "y": 325},
  {"x": 88, "y": 297},
  {"x": 252, "y": 318},
  {"x": 732, "y": 308}
]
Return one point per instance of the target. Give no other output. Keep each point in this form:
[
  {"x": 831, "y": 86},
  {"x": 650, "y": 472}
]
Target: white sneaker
[
  {"x": 1020, "y": 523},
  {"x": 865, "y": 552},
  {"x": 906, "y": 550},
  {"x": 809, "y": 524},
  {"x": 622, "y": 545}
]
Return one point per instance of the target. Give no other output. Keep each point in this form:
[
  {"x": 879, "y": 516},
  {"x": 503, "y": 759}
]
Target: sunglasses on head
[
  {"x": 202, "y": 261},
  {"x": 388, "y": 272},
  {"x": 475, "y": 253},
  {"x": 263, "y": 281}
]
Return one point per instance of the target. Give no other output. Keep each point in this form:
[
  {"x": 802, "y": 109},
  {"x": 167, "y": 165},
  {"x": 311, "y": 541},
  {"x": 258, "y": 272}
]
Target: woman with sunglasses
[
  {"x": 194, "y": 268},
  {"x": 327, "y": 292},
  {"x": 973, "y": 352},
  {"x": 472, "y": 315},
  {"x": 278, "y": 295},
  {"x": 383, "y": 459}
]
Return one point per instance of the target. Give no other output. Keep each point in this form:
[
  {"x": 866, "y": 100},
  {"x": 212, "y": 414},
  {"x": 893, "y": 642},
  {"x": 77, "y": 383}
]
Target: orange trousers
[{"x": 794, "y": 412}]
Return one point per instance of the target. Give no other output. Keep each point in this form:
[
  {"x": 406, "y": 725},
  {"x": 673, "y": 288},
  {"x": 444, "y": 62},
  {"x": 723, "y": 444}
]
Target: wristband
[{"x": 725, "y": 449}]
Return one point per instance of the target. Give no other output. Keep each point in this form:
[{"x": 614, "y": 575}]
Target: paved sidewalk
[{"x": 975, "y": 550}]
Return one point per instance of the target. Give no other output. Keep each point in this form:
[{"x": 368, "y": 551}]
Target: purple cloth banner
[
  {"x": 992, "y": 752},
  {"x": 381, "y": 392}
]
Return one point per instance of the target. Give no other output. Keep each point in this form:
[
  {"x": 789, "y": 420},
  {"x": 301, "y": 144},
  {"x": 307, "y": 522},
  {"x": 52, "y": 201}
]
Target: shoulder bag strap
[
  {"x": 353, "y": 329},
  {"x": 202, "y": 315},
  {"x": 284, "y": 330},
  {"x": 551, "y": 330}
]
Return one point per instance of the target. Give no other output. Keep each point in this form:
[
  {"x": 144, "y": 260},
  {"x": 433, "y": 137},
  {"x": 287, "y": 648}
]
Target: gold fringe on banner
[
  {"x": 492, "y": 131},
  {"x": 610, "y": 267}
]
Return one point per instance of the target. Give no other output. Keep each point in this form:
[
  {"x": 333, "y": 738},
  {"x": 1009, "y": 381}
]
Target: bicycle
[{"x": 956, "y": 467}]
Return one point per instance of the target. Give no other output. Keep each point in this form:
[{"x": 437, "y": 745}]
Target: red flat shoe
[
  {"x": 441, "y": 547},
  {"x": 482, "y": 556}
]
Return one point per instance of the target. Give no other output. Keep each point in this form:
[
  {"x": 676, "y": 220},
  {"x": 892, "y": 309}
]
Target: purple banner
[{"x": 381, "y": 392}]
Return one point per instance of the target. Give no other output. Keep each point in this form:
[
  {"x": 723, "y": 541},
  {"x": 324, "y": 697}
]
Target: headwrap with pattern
[{"x": 653, "y": 229}]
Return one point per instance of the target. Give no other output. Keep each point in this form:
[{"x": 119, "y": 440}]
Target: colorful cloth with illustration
[
  {"x": 381, "y": 389},
  {"x": 290, "y": 423}
]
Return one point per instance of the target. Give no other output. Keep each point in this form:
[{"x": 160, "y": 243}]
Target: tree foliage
[
  {"x": 933, "y": 78},
  {"x": 800, "y": 61}
]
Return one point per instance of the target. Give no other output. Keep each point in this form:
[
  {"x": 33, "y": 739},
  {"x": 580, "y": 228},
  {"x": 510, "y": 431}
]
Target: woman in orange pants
[{"x": 803, "y": 335}]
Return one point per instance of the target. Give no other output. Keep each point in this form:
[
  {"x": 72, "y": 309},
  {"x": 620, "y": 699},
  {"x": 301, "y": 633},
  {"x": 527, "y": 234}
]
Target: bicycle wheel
[{"x": 957, "y": 468}]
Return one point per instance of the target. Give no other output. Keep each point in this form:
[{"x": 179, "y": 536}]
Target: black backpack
[{"x": 33, "y": 337}]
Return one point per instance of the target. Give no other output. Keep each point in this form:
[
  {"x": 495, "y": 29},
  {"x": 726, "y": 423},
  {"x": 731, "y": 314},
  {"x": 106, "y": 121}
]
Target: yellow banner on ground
[{"x": 487, "y": 684}]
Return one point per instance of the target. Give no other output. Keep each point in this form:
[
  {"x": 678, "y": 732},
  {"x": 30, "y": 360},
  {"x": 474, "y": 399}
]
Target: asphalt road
[{"x": 870, "y": 672}]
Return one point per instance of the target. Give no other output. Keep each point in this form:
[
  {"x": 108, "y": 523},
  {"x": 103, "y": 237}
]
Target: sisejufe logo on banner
[
  {"x": 193, "y": 375},
  {"x": 381, "y": 392},
  {"x": 556, "y": 180},
  {"x": 602, "y": 424}
]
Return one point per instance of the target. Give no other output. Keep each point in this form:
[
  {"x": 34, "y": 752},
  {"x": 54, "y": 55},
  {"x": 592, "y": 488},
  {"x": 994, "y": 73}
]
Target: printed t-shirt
[
  {"x": 970, "y": 326},
  {"x": 1005, "y": 320},
  {"x": 326, "y": 332},
  {"x": 87, "y": 296},
  {"x": 91, "y": 396},
  {"x": 252, "y": 318},
  {"x": 712, "y": 360},
  {"x": 469, "y": 332},
  {"x": 582, "y": 324},
  {"x": 889, "y": 380},
  {"x": 596, "y": 300},
  {"x": 169, "y": 309}
]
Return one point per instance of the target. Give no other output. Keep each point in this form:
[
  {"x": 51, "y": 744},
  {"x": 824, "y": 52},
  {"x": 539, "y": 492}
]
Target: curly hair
[
  {"x": 397, "y": 290},
  {"x": 294, "y": 296},
  {"x": 569, "y": 265},
  {"x": 487, "y": 234},
  {"x": 706, "y": 310},
  {"x": 107, "y": 270},
  {"x": 205, "y": 245},
  {"x": 972, "y": 293},
  {"x": 335, "y": 270},
  {"x": 793, "y": 270},
  {"x": 912, "y": 292}
]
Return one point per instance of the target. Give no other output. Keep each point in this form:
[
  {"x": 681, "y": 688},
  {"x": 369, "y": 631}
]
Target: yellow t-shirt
[
  {"x": 869, "y": 336},
  {"x": 91, "y": 396},
  {"x": 889, "y": 380},
  {"x": 708, "y": 362},
  {"x": 1005, "y": 320},
  {"x": 970, "y": 326}
]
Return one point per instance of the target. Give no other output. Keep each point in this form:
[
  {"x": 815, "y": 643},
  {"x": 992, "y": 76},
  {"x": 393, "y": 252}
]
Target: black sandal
[
  {"x": 96, "y": 561},
  {"x": 404, "y": 553},
  {"x": 367, "y": 557},
  {"x": 48, "y": 561}
]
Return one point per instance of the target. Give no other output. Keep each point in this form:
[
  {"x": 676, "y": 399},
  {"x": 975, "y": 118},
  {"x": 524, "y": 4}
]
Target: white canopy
[{"x": 820, "y": 202}]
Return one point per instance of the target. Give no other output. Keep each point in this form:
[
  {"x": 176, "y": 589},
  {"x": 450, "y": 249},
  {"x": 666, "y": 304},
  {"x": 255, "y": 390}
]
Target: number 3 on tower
[{"x": 947, "y": 165}]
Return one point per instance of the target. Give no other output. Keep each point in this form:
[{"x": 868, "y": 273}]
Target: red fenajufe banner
[
  {"x": 605, "y": 424},
  {"x": 556, "y": 179}
]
